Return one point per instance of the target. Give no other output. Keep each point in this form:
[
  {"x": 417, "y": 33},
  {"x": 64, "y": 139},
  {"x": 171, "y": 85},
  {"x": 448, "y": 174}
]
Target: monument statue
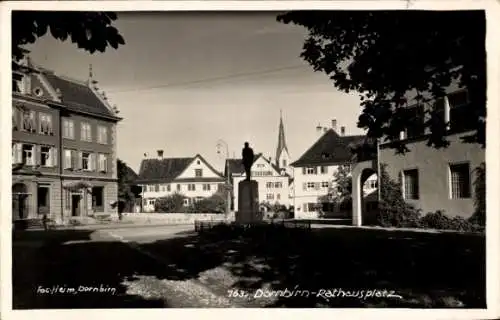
[{"x": 248, "y": 157}]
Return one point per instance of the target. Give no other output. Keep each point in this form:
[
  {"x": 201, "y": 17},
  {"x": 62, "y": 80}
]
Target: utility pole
[{"x": 228, "y": 186}]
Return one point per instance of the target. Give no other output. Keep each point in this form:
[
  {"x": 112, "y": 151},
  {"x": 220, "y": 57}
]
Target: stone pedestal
[{"x": 248, "y": 202}]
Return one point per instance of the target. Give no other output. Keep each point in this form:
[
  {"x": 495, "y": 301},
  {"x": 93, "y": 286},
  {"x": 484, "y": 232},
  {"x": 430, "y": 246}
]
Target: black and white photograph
[{"x": 285, "y": 158}]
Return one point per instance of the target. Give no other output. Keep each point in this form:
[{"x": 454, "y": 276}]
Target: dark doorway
[
  {"x": 75, "y": 205},
  {"x": 43, "y": 199},
  {"x": 98, "y": 199},
  {"x": 20, "y": 200}
]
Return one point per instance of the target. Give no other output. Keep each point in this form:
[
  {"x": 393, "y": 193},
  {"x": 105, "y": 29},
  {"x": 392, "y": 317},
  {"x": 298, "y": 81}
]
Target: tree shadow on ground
[
  {"x": 38, "y": 269},
  {"x": 428, "y": 270}
]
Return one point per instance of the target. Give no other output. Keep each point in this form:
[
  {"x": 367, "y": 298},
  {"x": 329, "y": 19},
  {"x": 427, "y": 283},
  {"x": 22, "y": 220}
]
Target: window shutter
[
  {"x": 79, "y": 161},
  {"x": 19, "y": 152},
  {"x": 304, "y": 170},
  {"x": 94, "y": 162},
  {"x": 36, "y": 155},
  {"x": 105, "y": 165},
  {"x": 304, "y": 186},
  {"x": 53, "y": 152}
]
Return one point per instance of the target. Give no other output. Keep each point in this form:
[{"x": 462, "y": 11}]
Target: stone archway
[
  {"x": 20, "y": 201},
  {"x": 361, "y": 171}
]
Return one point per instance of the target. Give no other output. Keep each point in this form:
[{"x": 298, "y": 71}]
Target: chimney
[
  {"x": 342, "y": 131},
  {"x": 325, "y": 129},
  {"x": 334, "y": 124},
  {"x": 319, "y": 128},
  {"x": 145, "y": 155},
  {"x": 160, "y": 154}
]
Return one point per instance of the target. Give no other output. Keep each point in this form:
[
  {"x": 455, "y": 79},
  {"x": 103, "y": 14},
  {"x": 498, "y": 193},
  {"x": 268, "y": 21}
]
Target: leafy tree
[
  {"x": 393, "y": 210},
  {"x": 90, "y": 31},
  {"x": 126, "y": 180},
  {"x": 386, "y": 56},
  {"x": 172, "y": 203}
]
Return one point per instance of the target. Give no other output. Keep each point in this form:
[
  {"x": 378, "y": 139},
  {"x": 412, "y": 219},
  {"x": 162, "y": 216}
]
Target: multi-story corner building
[
  {"x": 193, "y": 177},
  {"x": 63, "y": 147},
  {"x": 315, "y": 170},
  {"x": 432, "y": 179},
  {"x": 273, "y": 183}
]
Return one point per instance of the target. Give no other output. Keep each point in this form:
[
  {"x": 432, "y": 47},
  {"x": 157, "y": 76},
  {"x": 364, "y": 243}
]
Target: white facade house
[
  {"x": 273, "y": 183},
  {"x": 192, "y": 177},
  {"x": 314, "y": 172},
  {"x": 432, "y": 179}
]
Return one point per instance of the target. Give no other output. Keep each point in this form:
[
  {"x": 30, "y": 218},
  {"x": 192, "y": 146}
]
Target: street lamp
[{"x": 222, "y": 143}]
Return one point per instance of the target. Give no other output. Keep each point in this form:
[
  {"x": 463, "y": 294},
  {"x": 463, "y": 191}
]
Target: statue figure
[{"x": 248, "y": 157}]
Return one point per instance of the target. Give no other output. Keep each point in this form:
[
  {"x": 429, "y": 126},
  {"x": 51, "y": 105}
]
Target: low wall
[{"x": 175, "y": 218}]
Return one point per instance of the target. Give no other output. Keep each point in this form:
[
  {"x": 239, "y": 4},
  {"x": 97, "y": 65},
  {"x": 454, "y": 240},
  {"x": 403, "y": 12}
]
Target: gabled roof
[
  {"x": 236, "y": 166},
  {"x": 168, "y": 169},
  {"x": 78, "y": 96},
  {"x": 330, "y": 149}
]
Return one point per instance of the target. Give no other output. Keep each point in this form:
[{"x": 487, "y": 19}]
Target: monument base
[{"x": 248, "y": 202}]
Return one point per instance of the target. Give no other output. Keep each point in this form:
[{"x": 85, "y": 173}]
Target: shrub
[
  {"x": 214, "y": 204},
  {"x": 479, "y": 216},
  {"x": 438, "y": 220},
  {"x": 171, "y": 203},
  {"x": 393, "y": 211}
]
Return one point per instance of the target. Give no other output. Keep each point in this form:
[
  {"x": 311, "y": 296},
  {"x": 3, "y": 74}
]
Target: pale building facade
[
  {"x": 193, "y": 177},
  {"x": 314, "y": 172}
]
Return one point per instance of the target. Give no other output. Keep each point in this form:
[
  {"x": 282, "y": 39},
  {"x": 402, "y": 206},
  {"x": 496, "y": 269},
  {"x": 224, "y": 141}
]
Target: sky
[{"x": 185, "y": 80}]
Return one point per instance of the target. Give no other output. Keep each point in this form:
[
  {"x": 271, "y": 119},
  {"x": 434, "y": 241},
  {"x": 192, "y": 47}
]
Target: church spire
[{"x": 281, "y": 140}]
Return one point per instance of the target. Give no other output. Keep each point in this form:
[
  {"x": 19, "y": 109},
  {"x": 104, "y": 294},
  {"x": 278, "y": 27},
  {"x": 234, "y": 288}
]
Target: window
[
  {"x": 157, "y": 188},
  {"x": 206, "y": 187},
  {"x": 371, "y": 184},
  {"x": 462, "y": 112},
  {"x": 324, "y": 170},
  {"x": 191, "y": 187},
  {"x": 460, "y": 181},
  {"x": 43, "y": 199},
  {"x": 103, "y": 163},
  {"x": 325, "y": 184},
  {"x": 86, "y": 133},
  {"x": 310, "y": 170},
  {"x": 270, "y": 196},
  {"x": 198, "y": 162},
  {"x": 416, "y": 121},
  {"x": 102, "y": 135},
  {"x": 28, "y": 156},
  {"x": 178, "y": 187},
  {"x": 309, "y": 207},
  {"x": 284, "y": 162},
  {"x": 168, "y": 187},
  {"x": 29, "y": 121},
  {"x": 269, "y": 185},
  {"x": 45, "y": 124},
  {"x": 68, "y": 129},
  {"x": 278, "y": 185},
  {"x": 98, "y": 198},
  {"x": 410, "y": 179},
  {"x": 45, "y": 156},
  {"x": 198, "y": 172},
  {"x": 86, "y": 158},
  {"x": 278, "y": 196},
  {"x": 68, "y": 159},
  {"x": 310, "y": 185}
]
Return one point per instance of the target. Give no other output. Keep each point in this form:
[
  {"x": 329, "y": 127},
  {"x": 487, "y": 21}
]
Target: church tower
[{"x": 282, "y": 155}]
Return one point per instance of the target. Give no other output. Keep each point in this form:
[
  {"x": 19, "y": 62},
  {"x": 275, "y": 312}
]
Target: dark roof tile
[
  {"x": 78, "y": 96},
  {"x": 331, "y": 148}
]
